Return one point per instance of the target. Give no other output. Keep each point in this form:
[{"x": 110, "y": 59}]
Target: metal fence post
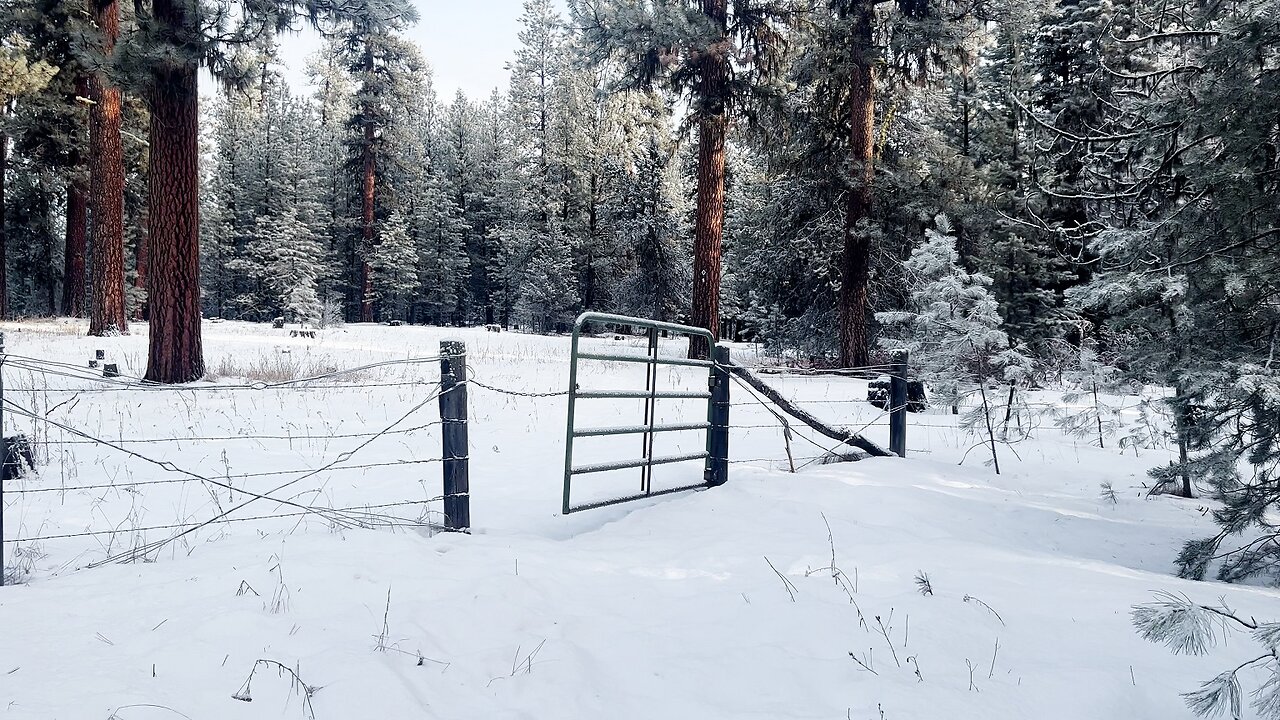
[
  {"x": 898, "y": 403},
  {"x": 453, "y": 432},
  {"x": 717, "y": 472}
]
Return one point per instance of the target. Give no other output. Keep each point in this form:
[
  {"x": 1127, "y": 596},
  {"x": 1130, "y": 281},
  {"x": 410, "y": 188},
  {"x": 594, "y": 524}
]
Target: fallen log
[{"x": 844, "y": 436}]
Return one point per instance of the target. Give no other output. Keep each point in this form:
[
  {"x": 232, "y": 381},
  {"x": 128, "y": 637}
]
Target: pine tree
[
  {"x": 19, "y": 76},
  {"x": 107, "y": 175},
  {"x": 952, "y": 325},
  {"x": 380, "y": 64},
  {"x": 692, "y": 47},
  {"x": 293, "y": 268},
  {"x": 854, "y": 54},
  {"x": 394, "y": 266},
  {"x": 164, "y": 58},
  {"x": 1187, "y": 256}
]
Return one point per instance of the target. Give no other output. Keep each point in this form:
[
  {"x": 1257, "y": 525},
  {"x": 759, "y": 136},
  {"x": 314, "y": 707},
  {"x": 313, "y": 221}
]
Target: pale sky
[{"x": 467, "y": 43}]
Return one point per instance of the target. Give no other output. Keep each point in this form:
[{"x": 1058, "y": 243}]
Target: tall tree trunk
[
  {"x": 367, "y": 236},
  {"x": 75, "y": 241},
  {"x": 74, "y": 249},
  {"x": 106, "y": 164},
  {"x": 855, "y": 260},
  {"x": 4, "y": 237},
  {"x": 173, "y": 213},
  {"x": 708, "y": 231}
]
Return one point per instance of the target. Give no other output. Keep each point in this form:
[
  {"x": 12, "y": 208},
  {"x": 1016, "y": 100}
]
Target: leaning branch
[{"x": 844, "y": 436}]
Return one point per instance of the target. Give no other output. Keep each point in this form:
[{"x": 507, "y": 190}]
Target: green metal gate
[{"x": 716, "y": 426}]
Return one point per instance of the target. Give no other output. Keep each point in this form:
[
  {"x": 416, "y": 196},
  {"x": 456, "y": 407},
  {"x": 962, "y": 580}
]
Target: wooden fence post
[
  {"x": 898, "y": 404},
  {"x": 717, "y": 472},
  {"x": 453, "y": 432}
]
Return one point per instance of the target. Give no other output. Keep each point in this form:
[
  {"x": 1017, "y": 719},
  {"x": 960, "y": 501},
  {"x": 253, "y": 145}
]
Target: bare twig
[
  {"x": 864, "y": 665},
  {"x": 790, "y": 588},
  {"x": 990, "y": 609}
]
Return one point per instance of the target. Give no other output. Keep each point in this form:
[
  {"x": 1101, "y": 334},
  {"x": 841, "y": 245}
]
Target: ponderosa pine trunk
[
  {"x": 369, "y": 177},
  {"x": 4, "y": 237},
  {"x": 173, "y": 212},
  {"x": 106, "y": 172},
  {"x": 708, "y": 231},
  {"x": 75, "y": 243},
  {"x": 855, "y": 258}
]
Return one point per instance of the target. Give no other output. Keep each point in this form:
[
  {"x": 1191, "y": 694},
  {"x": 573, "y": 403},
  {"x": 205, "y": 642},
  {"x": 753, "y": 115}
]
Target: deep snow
[{"x": 668, "y": 607}]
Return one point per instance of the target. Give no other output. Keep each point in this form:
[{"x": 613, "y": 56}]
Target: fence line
[
  {"x": 354, "y": 510},
  {"x": 364, "y": 515},
  {"x": 76, "y": 372}
]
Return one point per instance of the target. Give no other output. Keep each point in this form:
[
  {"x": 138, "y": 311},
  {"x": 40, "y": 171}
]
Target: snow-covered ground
[{"x": 779, "y": 595}]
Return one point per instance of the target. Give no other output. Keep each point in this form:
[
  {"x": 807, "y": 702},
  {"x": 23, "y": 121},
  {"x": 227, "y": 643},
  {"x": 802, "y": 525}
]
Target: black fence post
[
  {"x": 453, "y": 431},
  {"x": 717, "y": 472},
  {"x": 898, "y": 404}
]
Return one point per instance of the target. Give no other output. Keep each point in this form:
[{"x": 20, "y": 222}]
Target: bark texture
[
  {"x": 106, "y": 170},
  {"x": 855, "y": 257},
  {"x": 175, "y": 354},
  {"x": 4, "y": 237},
  {"x": 708, "y": 231}
]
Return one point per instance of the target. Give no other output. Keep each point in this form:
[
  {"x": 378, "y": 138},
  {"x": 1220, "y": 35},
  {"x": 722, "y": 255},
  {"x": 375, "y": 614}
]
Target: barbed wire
[
  {"x": 77, "y": 372},
  {"x": 341, "y": 458},
  {"x": 233, "y": 438},
  {"x": 355, "y": 510},
  {"x": 238, "y": 476},
  {"x": 337, "y": 516}
]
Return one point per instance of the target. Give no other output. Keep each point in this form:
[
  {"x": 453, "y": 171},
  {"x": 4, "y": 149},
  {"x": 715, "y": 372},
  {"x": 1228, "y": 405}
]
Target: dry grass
[
  {"x": 55, "y": 327},
  {"x": 281, "y": 367}
]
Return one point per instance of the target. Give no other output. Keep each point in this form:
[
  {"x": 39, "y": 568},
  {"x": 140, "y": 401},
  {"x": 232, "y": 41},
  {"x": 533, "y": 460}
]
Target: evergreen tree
[
  {"x": 19, "y": 76},
  {"x": 107, "y": 175},
  {"x": 381, "y": 64},
  {"x": 394, "y": 266},
  {"x": 952, "y": 325},
  {"x": 722, "y": 59},
  {"x": 1187, "y": 268}
]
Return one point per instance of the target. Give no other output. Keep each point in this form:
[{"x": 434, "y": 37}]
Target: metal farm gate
[{"x": 716, "y": 425}]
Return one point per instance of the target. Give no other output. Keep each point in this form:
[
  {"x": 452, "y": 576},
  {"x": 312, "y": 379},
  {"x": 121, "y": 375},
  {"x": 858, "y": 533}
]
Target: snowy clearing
[{"x": 736, "y": 602}]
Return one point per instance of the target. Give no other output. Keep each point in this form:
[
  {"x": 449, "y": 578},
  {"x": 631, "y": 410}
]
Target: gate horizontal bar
[
  {"x": 640, "y": 322},
  {"x": 629, "y": 498},
  {"x": 642, "y": 394},
  {"x": 624, "y": 464},
  {"x": 685, "y": 362},
  {"x": 637, "y": 429}
]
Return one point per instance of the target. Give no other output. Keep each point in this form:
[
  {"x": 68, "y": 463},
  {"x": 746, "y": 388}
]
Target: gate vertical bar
[
  {"x": 573, "y": 403},
  {"x": 650, "y": 411},
  {"x": 898, "y": 404},
  {"x": 453, "y": 432},
  {"x": 717, "y": 471}
]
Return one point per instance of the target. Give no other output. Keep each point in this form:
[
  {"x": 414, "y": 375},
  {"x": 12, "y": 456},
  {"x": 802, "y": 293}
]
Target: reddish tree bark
[
  {"x": 4, "y": 237},
  {"x": 174, "y": 353},
  {"x": 855, "y": 258},
  {"x": 76, "y": 241},
  {"x": 367, "y": 236},
  {"x": 106, "y": 164},
  {"x": 708, "y": 231}
]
